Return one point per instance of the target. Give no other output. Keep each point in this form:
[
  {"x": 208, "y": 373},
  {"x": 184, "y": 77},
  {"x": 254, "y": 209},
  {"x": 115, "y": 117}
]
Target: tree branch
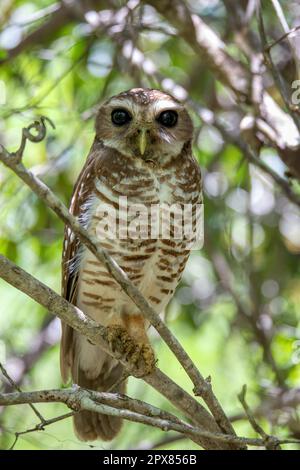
[
  {"x": 210, "y": 118},
  {"x": 270, "y": 442},
  {"x": 202, "y": 387},
  {"x": 252, "y": 157},
  {"x": 207, "y": 45},
  {"x": 246, "y": 311},
  {"x": 15, "y": 386},
  {"x": 112, "y": 404},
  {"x": 97, "y": 334},
  {"x": 66, "y": 12}
]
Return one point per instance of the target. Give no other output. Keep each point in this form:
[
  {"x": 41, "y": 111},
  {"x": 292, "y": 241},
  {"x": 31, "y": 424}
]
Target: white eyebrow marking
[
  {"x": 161, "y": 105},
  {"x": 152, "y": 110},
  {"x": 126, "y": 103},
  {"x": 120, "y": 102}
]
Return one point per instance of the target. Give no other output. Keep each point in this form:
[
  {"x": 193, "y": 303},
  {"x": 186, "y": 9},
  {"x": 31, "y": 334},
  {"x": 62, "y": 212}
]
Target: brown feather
[{"x": 167, "y": 172}]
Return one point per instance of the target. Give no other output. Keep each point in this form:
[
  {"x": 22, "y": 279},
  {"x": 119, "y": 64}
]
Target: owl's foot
[
  {"x": 138, "y": 354},
  {"x": 145, "y": 354}
]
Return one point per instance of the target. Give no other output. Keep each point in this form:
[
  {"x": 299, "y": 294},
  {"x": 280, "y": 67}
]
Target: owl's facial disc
[
  {"x": 152, "y": 126},
  {"x": 145, "y": 133}
]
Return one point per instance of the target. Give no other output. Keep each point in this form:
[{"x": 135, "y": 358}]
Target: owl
[{"x": 141, "y": 155}]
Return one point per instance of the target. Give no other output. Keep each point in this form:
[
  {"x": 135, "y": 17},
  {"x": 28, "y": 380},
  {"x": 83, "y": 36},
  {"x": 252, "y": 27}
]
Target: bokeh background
[{"x": 237, "y": 308}]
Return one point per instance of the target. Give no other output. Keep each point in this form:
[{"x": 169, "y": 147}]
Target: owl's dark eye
[
  {"x": 120, "y": 117},
  {"x": 168, "y": 118}
]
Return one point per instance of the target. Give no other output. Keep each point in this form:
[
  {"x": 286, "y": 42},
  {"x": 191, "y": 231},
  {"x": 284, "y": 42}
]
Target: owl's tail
[
  {"x": 88, "y": 425},
  {"x": 93, "y": 369}
]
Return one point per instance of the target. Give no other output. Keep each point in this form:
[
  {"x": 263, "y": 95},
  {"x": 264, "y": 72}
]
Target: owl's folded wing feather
[{"x": 71, "y": 247}]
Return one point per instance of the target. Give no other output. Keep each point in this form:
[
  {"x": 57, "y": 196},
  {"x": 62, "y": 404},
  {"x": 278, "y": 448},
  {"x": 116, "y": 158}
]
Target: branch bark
[
  {"x": 230, "y": 72},
  {"x": 207, "y": 45},
  {"x": 211, "y": 119},
  {"x": 202, "y": 387},
  {"x": 79, "y": 399},
  {"x": 67, "y": 11},
  {"x": 96, "y": 333}
]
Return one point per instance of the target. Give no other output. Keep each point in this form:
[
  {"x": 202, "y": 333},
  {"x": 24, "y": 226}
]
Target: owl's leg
[
  {"x": 135, "y": 325},
  {"x": 131, "y": 340}
]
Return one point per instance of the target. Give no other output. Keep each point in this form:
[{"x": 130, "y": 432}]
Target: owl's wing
[{"x": 83, "y": 190}]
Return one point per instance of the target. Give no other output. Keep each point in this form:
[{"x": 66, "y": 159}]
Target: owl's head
[{"x": 144, "y": 123}]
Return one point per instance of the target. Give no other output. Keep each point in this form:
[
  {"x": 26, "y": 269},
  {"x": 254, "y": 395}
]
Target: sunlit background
[{"x": 237, "y": 308}]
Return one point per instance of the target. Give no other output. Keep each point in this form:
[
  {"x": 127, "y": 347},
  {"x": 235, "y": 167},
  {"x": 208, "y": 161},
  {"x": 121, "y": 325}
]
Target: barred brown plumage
[{"x": 151, "y": 167}]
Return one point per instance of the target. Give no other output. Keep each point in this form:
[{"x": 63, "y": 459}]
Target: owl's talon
[
  {"x": 139, "y": 354},
  {"x": 147, "y": 353}
]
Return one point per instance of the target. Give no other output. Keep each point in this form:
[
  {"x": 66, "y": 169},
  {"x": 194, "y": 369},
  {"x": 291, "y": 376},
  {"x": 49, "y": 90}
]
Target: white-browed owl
[{"x": 142, "y": 151}]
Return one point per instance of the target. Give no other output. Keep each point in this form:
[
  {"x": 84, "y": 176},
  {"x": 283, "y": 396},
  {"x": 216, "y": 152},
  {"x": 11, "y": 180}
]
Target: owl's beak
[{"x": 142, "y": 140}]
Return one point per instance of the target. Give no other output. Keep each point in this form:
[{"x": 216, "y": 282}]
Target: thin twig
[
  {"x": 281, "y": 38},
  {"x": 40, "y": 128},
  {"x": 41, "y": 426},
  {"x": 226, "y": 278},
  {"x": 270, "y": 442},
  {"x": 284, "y": 24},
  {"x": 201, "y": 386},
  {"x": 16, "y": 387},
  {"x": 79, "y": 399},
  {"x": 274, "y": 71},
  {"x": 97, "y": 334},
  {"x": 210, "y": 118}
]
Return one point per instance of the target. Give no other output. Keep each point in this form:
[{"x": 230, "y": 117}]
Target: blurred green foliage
[{"x": 248, "y": 223}]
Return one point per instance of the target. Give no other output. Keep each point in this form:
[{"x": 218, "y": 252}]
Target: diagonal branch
[
  {"x": 202, "y": 387},
  {"x": 66, "y": 12},
  {"x": 226, "y": 278},
  {"x": 15, "y": 386},
  {"x": 40, "y": 426},
  {"x": 270, "y": 442},
  {"x": 211, "y": 119},
  {"x": 209, "y": 47},
  {"x": 97, "y": 334},
  {"x": 250, "y": 155},
  {"x": 281, "y": 86}
]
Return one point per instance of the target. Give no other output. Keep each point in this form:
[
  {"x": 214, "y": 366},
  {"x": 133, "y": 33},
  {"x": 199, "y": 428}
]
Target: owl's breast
[{"x": 132, "y": 220}]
